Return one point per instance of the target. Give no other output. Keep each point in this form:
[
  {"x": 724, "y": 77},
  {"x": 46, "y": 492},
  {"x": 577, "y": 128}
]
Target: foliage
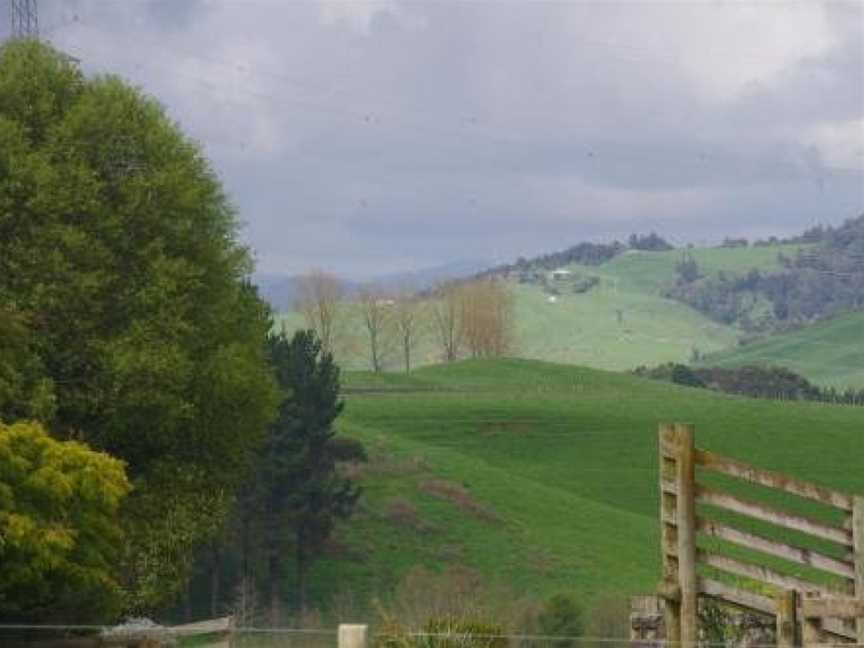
[
  {"x": 446, "y": 632},
  {"x": 347, "y": 449},
  {"x": 447, "y": 609},
  {"x": 561, "y": 616},
  {"x": 298, "y": 484},
  {"x": 24, "y": 392},
  {"x": 591, "y": 254},
  {"x": 649, "y": 242},
  {"x": 687, "y": 268},
  {"x": 754, "y": 381},
  {"x": 59, "y": 537},
  {"x": 137, "y": 331},
  {"x": 817, "y": 283}
]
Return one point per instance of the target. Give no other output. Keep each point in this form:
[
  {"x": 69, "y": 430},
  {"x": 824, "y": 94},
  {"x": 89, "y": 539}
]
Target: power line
[{"x": 24, "y": 18}]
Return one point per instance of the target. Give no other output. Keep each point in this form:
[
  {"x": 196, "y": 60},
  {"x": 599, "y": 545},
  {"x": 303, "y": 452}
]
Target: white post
[{"x": 352, "y": 635}]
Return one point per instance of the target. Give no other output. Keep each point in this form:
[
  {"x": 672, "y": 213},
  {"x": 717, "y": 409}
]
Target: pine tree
[{"x": 300, "y": 487}]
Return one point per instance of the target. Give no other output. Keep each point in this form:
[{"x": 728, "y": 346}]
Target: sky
[{"x": 364, "y": 138}]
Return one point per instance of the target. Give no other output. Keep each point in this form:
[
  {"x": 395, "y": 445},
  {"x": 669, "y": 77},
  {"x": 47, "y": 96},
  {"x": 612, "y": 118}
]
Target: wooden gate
[{"x": 793, "y": 599}]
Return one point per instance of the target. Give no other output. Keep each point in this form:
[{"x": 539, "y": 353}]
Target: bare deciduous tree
[
  {"x": 319, "y": 299},
  {"x": 377, "y": 313},
  {"x": 487, "y": 319},
  {"x": 447, "y": 319},
  {"x": 408, "y": 321}
]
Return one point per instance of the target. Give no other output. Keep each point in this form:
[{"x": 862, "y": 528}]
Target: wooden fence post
[
  {"x": 787, "y": 606},
  {"x": 352, "y": 635},
  {"x": 686, "y": 518},
  {"x": 668, "y": 439},
  {"x": 858, "y": 547},
  {"x": 811, "y": 626}
]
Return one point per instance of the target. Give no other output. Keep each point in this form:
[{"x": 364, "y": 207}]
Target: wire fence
[{"x": 97, "y": 636}]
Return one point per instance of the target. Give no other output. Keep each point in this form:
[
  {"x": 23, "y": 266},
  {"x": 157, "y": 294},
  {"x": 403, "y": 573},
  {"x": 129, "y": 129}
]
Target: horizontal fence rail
[{"x": 779, "y": 594}]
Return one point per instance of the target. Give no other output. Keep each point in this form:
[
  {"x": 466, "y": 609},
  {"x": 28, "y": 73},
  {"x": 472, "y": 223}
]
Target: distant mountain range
[{"x": 281, "y": 290}]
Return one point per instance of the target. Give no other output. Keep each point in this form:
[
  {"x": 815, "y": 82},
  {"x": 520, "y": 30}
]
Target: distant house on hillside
[{"x": 561, "y": 273}]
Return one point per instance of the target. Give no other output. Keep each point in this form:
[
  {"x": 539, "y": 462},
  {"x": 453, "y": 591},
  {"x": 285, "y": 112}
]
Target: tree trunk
[
  {"x": 373, "y": 342},
  {"x": 302, "y": 568},
  {"x": 407, "y": 346},
  {"x": 187, "y": 602},
  {"x": 274, "y": 569},
  {"x": 215, "y": 580},
  {"x": 244, "y": 547}
]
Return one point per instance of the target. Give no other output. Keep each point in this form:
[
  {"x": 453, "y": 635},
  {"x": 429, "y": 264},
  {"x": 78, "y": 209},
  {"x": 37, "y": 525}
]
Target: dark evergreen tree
[{"x": 302, "y": 492}]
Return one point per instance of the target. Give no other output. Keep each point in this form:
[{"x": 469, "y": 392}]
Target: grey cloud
[{"x": 375, "y": 137}]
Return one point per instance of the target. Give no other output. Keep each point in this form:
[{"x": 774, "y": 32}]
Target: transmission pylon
[{"x": 24, "y": 18}]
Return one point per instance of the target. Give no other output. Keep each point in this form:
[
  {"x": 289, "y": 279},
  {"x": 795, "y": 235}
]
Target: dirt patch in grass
[
  {"x": 385, "y": 465},
  {"x": 459, "y": 495},
  {"x": 493, "y": 428},
  {"x": 404, "y": 513}
]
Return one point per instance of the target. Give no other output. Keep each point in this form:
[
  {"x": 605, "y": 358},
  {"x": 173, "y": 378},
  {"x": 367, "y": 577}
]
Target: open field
[
  {"x": 544, "y": 476},
  {"x": 828, "y": 353}
]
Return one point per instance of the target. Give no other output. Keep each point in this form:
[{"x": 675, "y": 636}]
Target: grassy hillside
[
  {"x": 620, "y": 323},
  {"x": 829, "y": 353},
  {"x": 624, "y": 322},
  {"x": 650, "y": 271},
  {"x": 612, "y": 328},
  {"x": 544, "y": 476}
]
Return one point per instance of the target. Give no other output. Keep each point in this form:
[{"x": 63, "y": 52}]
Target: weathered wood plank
[
  {"x": 758, "y": 572},
  {"x": 812, "y": 632},
  {"x": 668, "y": 451},
  {"x": 787, "y": 625},
  {"x": 837, "y": 607},
  {"x": 858, "y": 552},
  {"x": 667, "y": 441},
  {"x": 838, "y": 628},
  {"x": 712, "y": 497},
  {"x": 714, "y": 462},
  {"x": 736, "y": 596},
  {"x": 686, "y": 527},
  {"x": 781, "y": 550},
  {"x": 823, "y": 627},
  {"x": 669, "y": 590}
]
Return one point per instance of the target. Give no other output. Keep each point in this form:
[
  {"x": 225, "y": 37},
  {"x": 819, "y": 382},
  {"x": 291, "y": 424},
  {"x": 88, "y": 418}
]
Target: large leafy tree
[
  {"x": 59, "y": 536},
  {"x": 298, "y": 483},
  {"x": 120, "y": 265}
]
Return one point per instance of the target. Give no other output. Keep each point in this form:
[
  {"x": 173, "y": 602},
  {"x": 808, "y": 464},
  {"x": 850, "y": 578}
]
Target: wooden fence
[{"x": 805, "y": 611}]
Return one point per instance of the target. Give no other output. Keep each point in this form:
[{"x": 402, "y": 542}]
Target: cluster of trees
[
  {"x": 534, "y": 270},
  {"x": 294, "y": 495},
  {"x": 470, "y": 318},
  {"x": 649, "y": 242},
  {"x": 138, "y": 383},
  {"x": 817, "y": 283},
  {"x": 582, "y": 253},
  {"x": 777, "y": 383}
]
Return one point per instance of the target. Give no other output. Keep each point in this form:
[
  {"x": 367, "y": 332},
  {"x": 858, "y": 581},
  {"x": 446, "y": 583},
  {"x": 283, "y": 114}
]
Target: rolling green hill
[
  {"x": 544, "y": 476},
  {"x": 624, "y": 321},
  {"x": 620, "y": 323},
  {"x": 829, "y": 353}
]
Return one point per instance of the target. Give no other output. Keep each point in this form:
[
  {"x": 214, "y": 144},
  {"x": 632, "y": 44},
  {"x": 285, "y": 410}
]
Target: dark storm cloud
[{"x": 368, "y": 137}]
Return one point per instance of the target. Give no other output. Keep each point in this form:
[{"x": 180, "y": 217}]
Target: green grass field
[
  {"x": 544, "y": 476},
  {"x": 829, "y": 353}
]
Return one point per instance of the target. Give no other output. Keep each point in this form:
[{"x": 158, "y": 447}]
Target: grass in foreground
[{"x": 544, "y": 477}]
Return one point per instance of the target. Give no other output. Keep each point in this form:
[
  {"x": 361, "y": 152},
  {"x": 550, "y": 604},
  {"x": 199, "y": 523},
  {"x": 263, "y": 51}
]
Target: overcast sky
[{"x": 370, "y": 137}]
